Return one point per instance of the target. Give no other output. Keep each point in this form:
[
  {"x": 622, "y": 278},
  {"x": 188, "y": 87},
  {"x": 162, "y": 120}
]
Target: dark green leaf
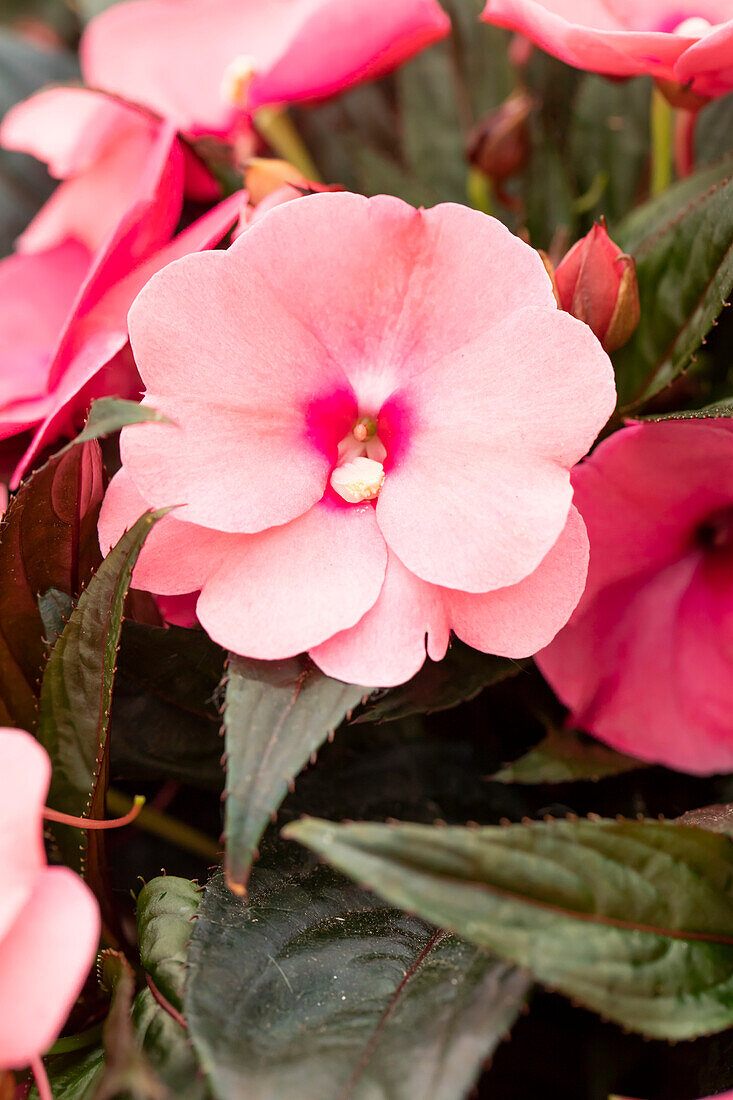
[
  {"x": 483, "y": 73},
  {"x": 547, "y": 191},
  {"x": 165, "y": 908},
  {"x": 631, "y": 919},
  {"x": 720, "y": 410},
  {"x": 277, "y": 715},
  {"x": 312, "y": 991},
  {"x": 48, "y": 540},
  {"x": 714, "y": 130},
  {"x": 24, "y": 182},
  {"x": 165, "y": 721},
  {"x": 168, "y": 1049},
  {"x": 564, "y": 756},
  {"x": 111, "y": 414},
  {"x": 74, "y": 1076},
  {"x": 127, "y": 1071},
  {"x": 609, "y": 141},
  {"x": 460, "y": 676},
  {"x": 76, "y": 695},
  {"x": 684, "y": 259}
]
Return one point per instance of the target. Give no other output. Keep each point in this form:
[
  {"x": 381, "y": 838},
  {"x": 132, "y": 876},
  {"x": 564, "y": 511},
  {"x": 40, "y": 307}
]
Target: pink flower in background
[
  {"x": 688, "y": 42},
  {"x": 99, "y": 148},
  {"x": 646, "y": 662},
  {"x": 375, "y": 412},
  {"x": 49, "y": 921},
  {"x": 206, "y": 64}
]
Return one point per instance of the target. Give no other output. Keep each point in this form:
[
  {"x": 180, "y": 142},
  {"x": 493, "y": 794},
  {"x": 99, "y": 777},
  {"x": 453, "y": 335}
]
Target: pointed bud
[
  {"x": 499, "y": 145},
  {"x": 596, "y": 282}
]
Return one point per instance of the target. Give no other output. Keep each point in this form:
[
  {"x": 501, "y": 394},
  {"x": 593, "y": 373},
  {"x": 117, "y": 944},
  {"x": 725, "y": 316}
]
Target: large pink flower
[
  {"x": 689, "y": 42},
  {"x": 646, "y": 662},
  {"x": 206, "y": 63},
  {"x": 376, "y": 409},
  {"x": 49, "y": 921},
  {"x": 100, "y": 149}
]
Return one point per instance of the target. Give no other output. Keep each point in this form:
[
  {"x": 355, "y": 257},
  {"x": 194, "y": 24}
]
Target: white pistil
[
  {"x": 237, "y": 80},
  {"x": 360, "y": 479}
]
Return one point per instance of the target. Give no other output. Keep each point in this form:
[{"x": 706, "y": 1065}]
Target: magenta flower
[
  {"x": 206, "y": 64},
  {"x": 49, "y": 921},
  {"x": 687, "y": 43},
  {"x": 375, "y": 413},
  {"x": 646, "y": 662}
]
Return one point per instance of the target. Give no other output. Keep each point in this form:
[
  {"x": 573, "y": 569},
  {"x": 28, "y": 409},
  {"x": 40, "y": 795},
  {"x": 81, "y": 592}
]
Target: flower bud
[
  {"x": 500, "y": 144},
  {"x": 596, "y": 282}
]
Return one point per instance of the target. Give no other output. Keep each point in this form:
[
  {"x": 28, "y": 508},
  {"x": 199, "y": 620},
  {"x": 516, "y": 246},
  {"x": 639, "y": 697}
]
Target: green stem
[
  {"x": 276, "y": 127},
  {"x": 81, "y": 1041},
  {"x": 159, "y": 824},
  {"x": 478, "y": 188},
  {"x": 661, "y": 139}
]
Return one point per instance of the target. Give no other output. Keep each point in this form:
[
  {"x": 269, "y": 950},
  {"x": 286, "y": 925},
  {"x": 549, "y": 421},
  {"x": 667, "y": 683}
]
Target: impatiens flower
[
  {"x": 206, "y": 64},
  {"x": 99, "y": 148},
  {"x": 49, "y": 921},
  {"x": 687, "y": 43},
  {"x": 597, "y": 283},
  {"x": 375, "y": 410},
  {"x": 646, "y": 662}
]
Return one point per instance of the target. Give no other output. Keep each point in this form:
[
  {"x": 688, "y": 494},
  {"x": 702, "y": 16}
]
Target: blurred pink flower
[
  {"x": 688, "y": 43},
  {"x": 49, "y": 921},
  {"x": 99, "y": 148},
  {"x": 375, "y": 412},
  {"x": 63, "y": 311},
  {"x": 646, "y": 662},
  {"x": 206, "y": 64}
]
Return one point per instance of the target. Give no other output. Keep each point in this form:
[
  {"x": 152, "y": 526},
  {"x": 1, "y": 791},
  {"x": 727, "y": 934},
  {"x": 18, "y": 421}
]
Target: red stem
[
  {"x": 41, "y": 1078},
  {"x": 684, "y": 141}
]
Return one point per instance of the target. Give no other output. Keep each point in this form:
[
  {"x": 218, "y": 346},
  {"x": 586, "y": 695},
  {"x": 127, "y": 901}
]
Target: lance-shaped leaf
[
  {"x": 684, "y": 264},
  {"x": 631, "y": 919},
  {"x": 74, "y": 1076},
  {"x": 277, "y": 714},
  {"x": 459, "y": 677},
  {"x": 76, "y": 696},
  {"x": 314, "y": 991},
  {"x": 112, "y": 414},
  {"x": 564, "y": 756},
  {"x": 48, "y": 540}
]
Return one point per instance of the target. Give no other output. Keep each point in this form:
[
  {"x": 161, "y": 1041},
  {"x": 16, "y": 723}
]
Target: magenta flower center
[
  {"x": 359, "y": 472},
  {"x": 716, "y": 532}
]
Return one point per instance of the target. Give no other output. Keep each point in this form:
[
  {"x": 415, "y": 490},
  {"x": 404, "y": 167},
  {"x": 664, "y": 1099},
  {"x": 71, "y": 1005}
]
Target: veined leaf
[
  {"x": 48, "y": 540},
  {"x": 313, "y": 991},
  {"x": 76, "y": 695},
  {"x": 632, "y": 919},
  {"x": 111, "y": 414},
  {"x": 277, "y": 715},
  {"x": 74, "y": 1076},
  {"x": 564, "y": 756}
]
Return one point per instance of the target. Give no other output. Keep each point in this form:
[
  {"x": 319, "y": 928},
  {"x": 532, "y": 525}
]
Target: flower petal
[{"x": 25, "y": 773}]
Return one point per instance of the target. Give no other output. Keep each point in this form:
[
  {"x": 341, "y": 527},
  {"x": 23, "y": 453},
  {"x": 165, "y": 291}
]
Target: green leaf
[
  {"x": 165, "y": 908},
  {"x": 76, "y": 695},
  {"x": 127, "y": 1070},
  {"x": 48, "y": 541},
  {"x": 277, "y": 715},
  {"x": 483, "y": 70},
  {"x": 565, "y": 756},
  {"x": 719, "y": 410},
  {"x": 74, "y": 1076},
  {"x": 609, "y": 141},
  {"x": 717, "y": 819},
  {"x": 460, "y": 676},
  {"x": 165, "y": 721},
  {"x": 168, "y": 1049},
  {"x": 24, "y": 182},
  {"x": 631, "y": 919},
  {"x": 685, "y": 271},
  {"x": 714, "y": 130},
  {"x": 111, "y": 414},
  {"x": 547, "y": 191},
  {"x": 313, "y": 991}
]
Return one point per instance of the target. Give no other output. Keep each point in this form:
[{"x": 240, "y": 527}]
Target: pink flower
[
  {"x": 49, "y": 921},
  {"x": 375, "y": 413},
  {"x": 205, "y": 64},
  {"x": 646, "y": 662},
  {"x": 689, "y": 43},
  {"x": 99, "y": 148}
]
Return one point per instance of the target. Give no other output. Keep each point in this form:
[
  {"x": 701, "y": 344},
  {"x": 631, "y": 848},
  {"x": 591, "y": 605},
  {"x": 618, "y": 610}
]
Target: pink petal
[
  {"x": 388, "y": 645},
  {"x": 385, "y": 274},
  {"x": 25, "y": 773},
  {"x": 519, "y": 620},
  {"x": 44, "y": 959},
  {"x": 708, "y": 64},
  {"x": 286, "y": 590},
  {"x": 172, "y": 56},
  {"x": 177, "y": 558},
  {"x": 480, "y": 491}
]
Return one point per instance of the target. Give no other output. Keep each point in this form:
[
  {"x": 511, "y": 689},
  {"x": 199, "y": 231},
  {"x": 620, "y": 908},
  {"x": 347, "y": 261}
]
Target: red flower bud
[
  {"x": 596, "y": 282},
  {"x": 500, "y": 144}
]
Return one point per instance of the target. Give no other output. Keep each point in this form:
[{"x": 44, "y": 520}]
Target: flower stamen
[{"x": 94, "y": 823}]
